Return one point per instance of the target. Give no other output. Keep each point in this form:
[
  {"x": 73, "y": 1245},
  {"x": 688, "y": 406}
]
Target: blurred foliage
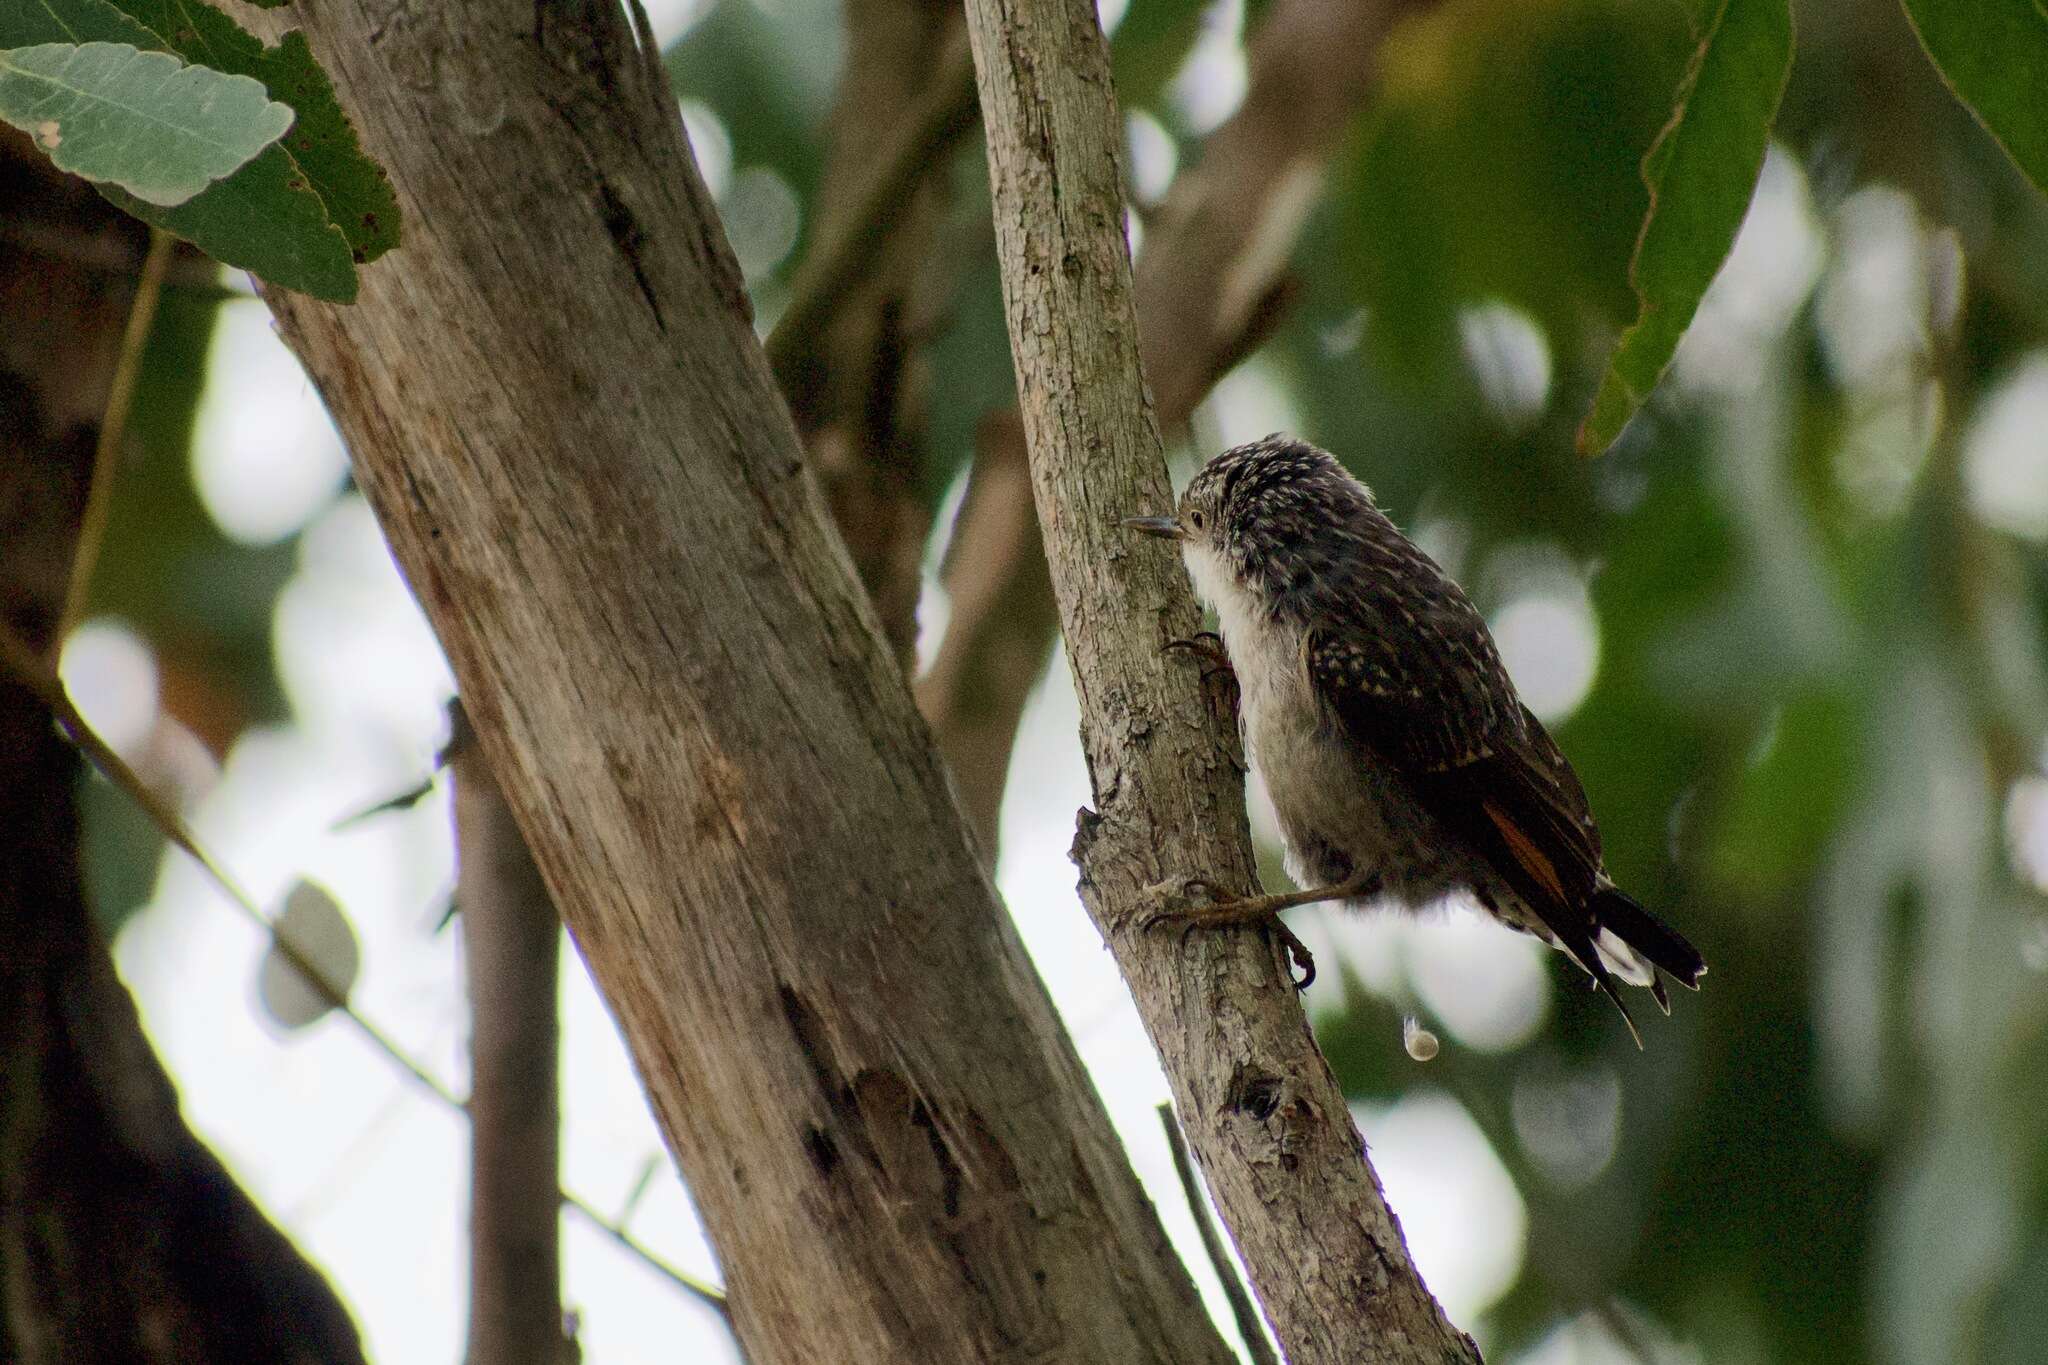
[{"x": 1820, "y": 675}]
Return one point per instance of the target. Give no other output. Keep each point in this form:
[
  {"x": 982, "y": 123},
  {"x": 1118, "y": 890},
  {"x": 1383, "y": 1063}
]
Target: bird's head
[{"x": 1256, "y": 490}]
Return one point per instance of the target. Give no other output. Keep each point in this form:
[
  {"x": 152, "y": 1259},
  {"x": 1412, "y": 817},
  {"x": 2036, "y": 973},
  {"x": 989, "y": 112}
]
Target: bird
[{"x": 1401, "y": 763}]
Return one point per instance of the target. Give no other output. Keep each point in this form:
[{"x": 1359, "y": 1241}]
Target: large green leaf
[
  {"x": 1700, "y": 173},
  {"x": 145, "y": 121},
  {"x": 1994, "y": 56},
  {"x": 355, "y": 190},
  {"x": 264, "y": 219}
]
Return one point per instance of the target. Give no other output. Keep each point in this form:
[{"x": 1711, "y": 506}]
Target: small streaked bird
[{"x": 1400, "y": 761}]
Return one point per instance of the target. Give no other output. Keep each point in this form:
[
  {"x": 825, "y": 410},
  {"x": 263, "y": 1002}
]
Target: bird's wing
[{"x": 1443, "y": 715}]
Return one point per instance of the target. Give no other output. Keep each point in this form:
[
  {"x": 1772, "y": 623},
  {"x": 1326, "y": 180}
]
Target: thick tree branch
[
  {"x": 1210, "y": 287},
  {"x": 556, "y": 404},
  {"x": 1260, "y": 1107}
]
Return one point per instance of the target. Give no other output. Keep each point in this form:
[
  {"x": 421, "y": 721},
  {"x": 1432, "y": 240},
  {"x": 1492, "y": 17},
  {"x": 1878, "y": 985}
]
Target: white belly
[{"x": 1330, "y": 800}]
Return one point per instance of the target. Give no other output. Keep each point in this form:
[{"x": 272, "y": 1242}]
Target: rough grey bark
[
  {"x": 555, "y": 402},
  {"x": 1211, "y": 285},
  {"x": 122, "y": 1238},
  {"x": 511, "y": 951},
  {"x": 1257, "y": 1101}
]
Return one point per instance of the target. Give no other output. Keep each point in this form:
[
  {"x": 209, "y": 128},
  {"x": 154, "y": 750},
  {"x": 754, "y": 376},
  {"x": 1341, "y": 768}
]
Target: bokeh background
[{"x": 1790, "y": 631}]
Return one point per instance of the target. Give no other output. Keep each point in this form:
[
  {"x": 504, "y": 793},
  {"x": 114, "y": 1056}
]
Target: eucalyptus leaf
[
  {"x": 1994, "y": 56},
  {"x": 1700, "y": 172},
  {"x": 145, "y": 121},
  {"x": 357, "y": 194},
  {"x": 265, "y": 219}
]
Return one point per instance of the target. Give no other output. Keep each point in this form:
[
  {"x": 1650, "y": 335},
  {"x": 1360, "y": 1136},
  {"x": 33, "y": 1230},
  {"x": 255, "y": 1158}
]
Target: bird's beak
[{"x": 1166, "y": 527}]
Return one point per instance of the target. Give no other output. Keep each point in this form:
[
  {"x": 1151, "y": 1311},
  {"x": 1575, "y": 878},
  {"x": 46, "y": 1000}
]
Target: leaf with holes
[
  {"x": 1700, "y": 172},
  {"x": 145, "y": 121}
]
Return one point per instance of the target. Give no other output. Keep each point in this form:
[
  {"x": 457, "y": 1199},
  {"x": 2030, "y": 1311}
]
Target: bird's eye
[{"x": 1196, "y": 518}]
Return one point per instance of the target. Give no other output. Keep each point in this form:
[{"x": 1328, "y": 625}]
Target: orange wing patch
[{"x": 1526, "y": 853}]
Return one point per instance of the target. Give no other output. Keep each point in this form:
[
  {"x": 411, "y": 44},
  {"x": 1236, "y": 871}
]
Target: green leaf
[
  {"x": 355, "y": 190},
  {"x": 71, "y": 21},
  {"x": 265, "y": 219},
  {"x": 145, "y": 121},
  {"x": 1700, "y": 172},
  {"x": 1994, "y": 56}
]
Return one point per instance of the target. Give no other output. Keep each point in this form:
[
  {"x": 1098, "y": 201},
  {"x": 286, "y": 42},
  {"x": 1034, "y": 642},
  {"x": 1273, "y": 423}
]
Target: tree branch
[
  {"x": 1001, "y": 629},
  {"x": 849, "y": 354},
  {"x": 510, "y": 943},
  {"x": 1250, "y": 1326},
  {"x": 556, "y": 404},
  {"x": 1210, "y": 288},
  {"x": 858, "y": 227},
  {"x": 1259, "y": 1105}
]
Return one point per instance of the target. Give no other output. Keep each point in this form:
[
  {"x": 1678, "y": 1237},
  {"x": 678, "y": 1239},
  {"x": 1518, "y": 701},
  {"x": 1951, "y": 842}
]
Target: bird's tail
[{"x": 1621, "y": 916}]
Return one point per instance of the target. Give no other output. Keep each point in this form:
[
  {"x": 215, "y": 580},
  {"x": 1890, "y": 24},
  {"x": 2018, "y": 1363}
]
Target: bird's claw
[
  {"x": 1206, "y": 645},
  {"x": 1175, "y": 895},
  {"x": 1171, "y": 902}
]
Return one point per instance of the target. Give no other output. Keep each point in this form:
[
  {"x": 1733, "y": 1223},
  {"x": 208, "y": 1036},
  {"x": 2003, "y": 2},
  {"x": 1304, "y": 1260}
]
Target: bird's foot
[
  {"x": 1220, "y": 912},
  {"x": 1207, "y": 646}
]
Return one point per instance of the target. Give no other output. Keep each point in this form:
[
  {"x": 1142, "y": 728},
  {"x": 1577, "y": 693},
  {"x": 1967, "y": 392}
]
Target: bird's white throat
[{"x": 1258, "y": 654}]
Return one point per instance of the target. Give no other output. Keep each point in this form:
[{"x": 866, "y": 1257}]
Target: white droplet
[{"x": 1420, "y": 1042}]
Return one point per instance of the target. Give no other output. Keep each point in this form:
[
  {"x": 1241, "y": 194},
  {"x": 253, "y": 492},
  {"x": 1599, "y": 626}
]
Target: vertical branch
[
  {"x": 510, "y": 942},
  {"x": 1211, "y": 286},
  {"x": 1260, "y": 1107},
  {"x": 848, "y": 355}
]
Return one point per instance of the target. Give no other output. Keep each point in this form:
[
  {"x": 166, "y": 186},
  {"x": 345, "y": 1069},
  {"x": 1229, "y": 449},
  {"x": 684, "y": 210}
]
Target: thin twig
[
  {"x": 711, "y": 1294},
  {"x": 834, "y": 265},
  {"x": 21, "y": 663},
  {"x": 106, "y": 460},
  {"x": 1250, "y": 1326}
]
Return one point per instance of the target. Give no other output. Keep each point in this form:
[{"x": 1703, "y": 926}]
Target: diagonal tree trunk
[
  {"x": 556, "y": 403},
  {"x": 122, "y": 1238}
]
